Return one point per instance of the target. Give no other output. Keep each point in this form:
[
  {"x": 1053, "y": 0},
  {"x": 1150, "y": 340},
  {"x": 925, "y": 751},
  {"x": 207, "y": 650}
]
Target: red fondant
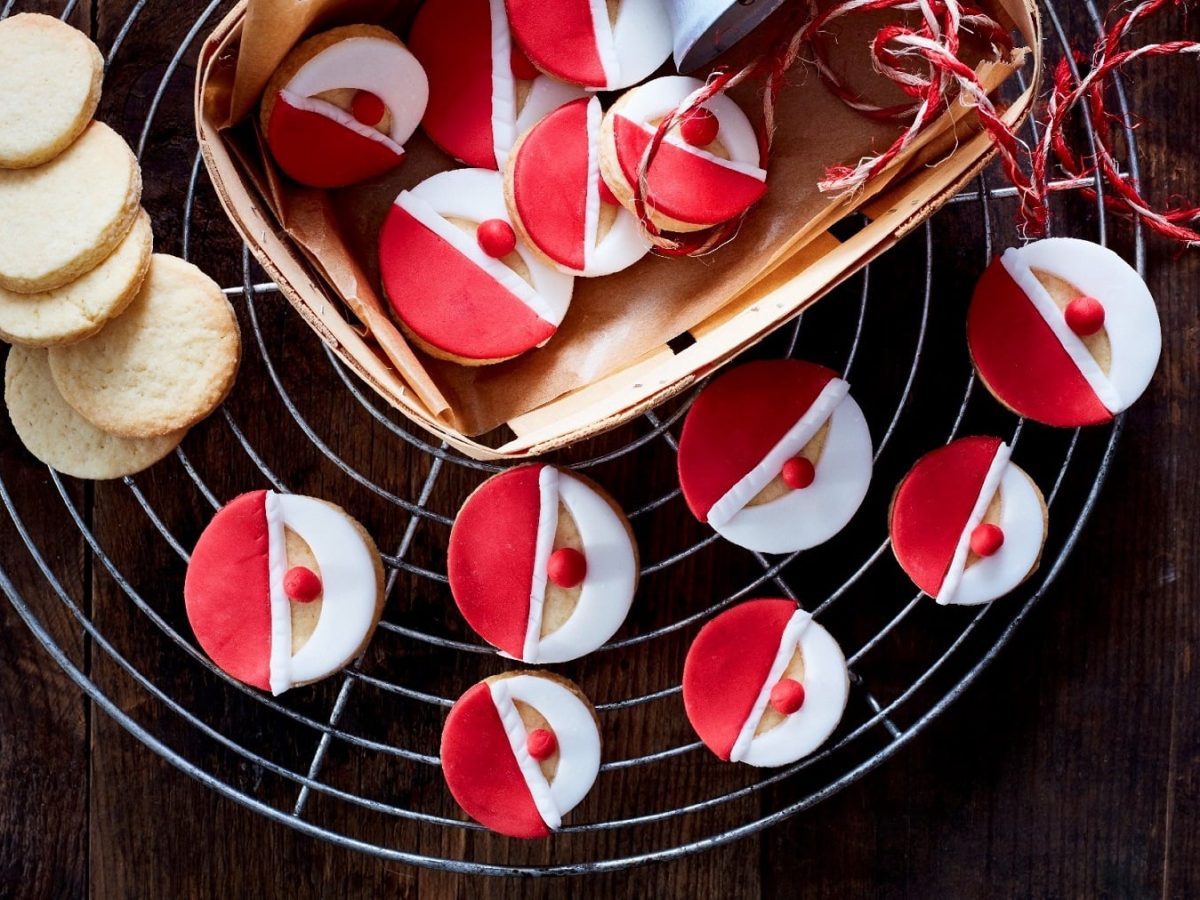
[
  {"x": 522, "y": 68},
  {"x": 302, "y": 584},
  {"x": 368, "y": 108},
  {"x": 932, "y": 505},
  {"x": 227, "y": 591},
  {"x": 541, "y": 744},
  {"x": 560, "y": 38},
  {"x": 481, "y": 769},
  {"x": 315, "y": 150},
  {"x": 496, "y": 238},
  {"x": 798, "y": 473},
  {"x": 986, "y": 539},
  {"x": 449, "y": 301},
  {"x": 681, "y": 183},
  {"x": 567, "y": 567},
  {"x": 1084, "y": 315},
  {"x": 727, "y": 666},
  {"x": 1022, "y": 360},
  {"x": 787, "y": 696},
  {"x": 736, "y": 421},
  {"x": 550, "y": 180},
  {"x": 700, "y": 128}
]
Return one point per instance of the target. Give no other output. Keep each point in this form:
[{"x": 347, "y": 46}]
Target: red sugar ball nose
[
  {"x": 787, "y": 696},
  {"x": 302, "y": 584},
  {"x": 367, "y": 108},
  {"x": 541, "y": 743},
  {"x": 496, "y": 237},
  {"x": 798, "y": 473},
  {"x": 522, "y": 68},
  {"x": 1085, "y": 315},
  {"x": 700, "y": 128},
  {"x": 986, "y": 539},
  {"x": 566, "y": 567}
]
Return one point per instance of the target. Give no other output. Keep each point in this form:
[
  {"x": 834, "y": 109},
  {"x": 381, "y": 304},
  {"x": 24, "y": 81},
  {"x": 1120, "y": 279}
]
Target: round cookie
[
  {"x": 164, "y": 364},
  {"x": 764, "y": 684},
  {"x": 703, "y": 173},
  {"x": 81, "y": 308},
  {"x": 521, "y": 750},
  {"x": 559, "y": 203},
  {"x": 283, "y": 590},
  {"x": 775, "y": 455},
  {"x": 63, "y": 439},
  {"x": 60, "y": 219},
  {"x": 1064, "y": 331},
  {"x": 600, "y": 44},
  {"x": 542, "y": 564},
  {"x": 967, "y": 525},
  {"x": 341, "y": 105},
  {"x": 460, "y": 282},
  {"x": 50, "y": 77}
]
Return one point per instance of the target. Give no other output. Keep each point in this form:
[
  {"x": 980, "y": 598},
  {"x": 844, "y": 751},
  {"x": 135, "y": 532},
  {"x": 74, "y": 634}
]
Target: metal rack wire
[{"x": 286, "y": 758}]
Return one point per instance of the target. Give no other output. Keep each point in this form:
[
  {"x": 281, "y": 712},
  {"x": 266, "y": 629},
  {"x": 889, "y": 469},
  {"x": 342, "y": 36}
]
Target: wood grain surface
[{"x": 1068, "y": 769}]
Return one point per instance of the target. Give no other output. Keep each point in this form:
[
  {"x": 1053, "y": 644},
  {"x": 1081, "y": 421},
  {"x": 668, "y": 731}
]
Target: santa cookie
[
  {"x": 599, "y": 44},
  {"x": 707, "y": 169},
  {"x": 341, "y": 105},
  {"x": 775, "y": 455},
  {"x": 764, "y": 684},
  {"x": 542, "y": 564},
  {"x": 1064, "y": 331},
  {"x": 559, "y": 203},
  {"x": 483, "y": 92},
  {"x": 458, "y": 278},
  {"x": 519, "y": 751},
  {"x": 283, "y": 590},
  {"x": 966, "y": 524}
]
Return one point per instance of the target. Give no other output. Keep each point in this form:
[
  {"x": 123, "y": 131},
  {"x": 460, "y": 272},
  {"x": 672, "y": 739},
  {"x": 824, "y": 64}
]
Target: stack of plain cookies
[{"x": 117, "y": 350}]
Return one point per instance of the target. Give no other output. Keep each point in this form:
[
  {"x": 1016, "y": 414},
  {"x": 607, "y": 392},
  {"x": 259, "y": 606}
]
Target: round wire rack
[{"x": 96, "y": 571}]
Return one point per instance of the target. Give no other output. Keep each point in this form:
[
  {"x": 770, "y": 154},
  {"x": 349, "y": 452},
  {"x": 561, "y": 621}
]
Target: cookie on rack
[
  {"x": 967, "y": 524},
  {"x": 341, "y": 106},
  {"x": 764, "y": 684},
  {"x": 520, "y": 751},
  {"x": 283, "y": 590},
  {"x": 50, "y": 78}
]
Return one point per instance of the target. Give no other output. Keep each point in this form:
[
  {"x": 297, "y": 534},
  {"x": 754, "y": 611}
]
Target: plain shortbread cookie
[
  {"x": 78, "y": 310},
  {"x": 50, "y": 77},
  {"x": 164, "y": 364},
  {"x": 60, "y": 219},
  {"x": 59, "y": 436}
]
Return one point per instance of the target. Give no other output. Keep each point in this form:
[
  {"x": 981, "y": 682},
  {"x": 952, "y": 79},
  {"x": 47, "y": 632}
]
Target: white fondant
[
  {"x": 386, "y": 69},
  {"x": 804, "y": 518},
  {"x": 343, "y": 118},
  {"x": 548, "y": 481},
  {"x": 606, "y": 49},
  {"x": 625, "y": 242},
  {"x": 958, "y": 562},
  {"x": 281, "y": 607},
  {"x": 504, "y": 85},
  {"x": 574, "y": 729},
  {"x": 1130, "y": 315},
  {"x": 641, "y": 40}
]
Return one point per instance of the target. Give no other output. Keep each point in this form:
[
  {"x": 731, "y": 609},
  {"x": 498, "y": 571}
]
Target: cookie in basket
[
  {"x": 50, "y": 77},
  {"x": 967, "y": 524},
  {"x": 459, "y": 280},
  {"x": 764, "y": 684},
  {"x": 520, "y": 751},
  {"x": 283, "y": 590},
  {"x": 542, "y": 564},
  {"x": 602, "y": 45},
  {"x": 1064, "y": 331},
  {"x": 775, "y": 455},
  {"x": 559, "y": 203},
  {"x": 341, "y": 105},
  {"x": 707, "y": 169}
]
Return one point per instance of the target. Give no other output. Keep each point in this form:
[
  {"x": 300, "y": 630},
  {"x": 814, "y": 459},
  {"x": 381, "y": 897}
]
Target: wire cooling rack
[{"x": 353, "y": 760}]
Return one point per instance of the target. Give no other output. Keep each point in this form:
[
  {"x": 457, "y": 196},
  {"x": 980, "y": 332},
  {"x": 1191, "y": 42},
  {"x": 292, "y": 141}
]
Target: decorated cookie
[
  {"x": 50, "y": 77},
  {"x": 542, "y": 564},
  {"x": 341, "y": 105},
  {"x": 458, "y": 277},
  {"x": 967, "y": 524},
  {"x": 59, "y": 220},
  {"x": 558, "y": 201},
  {"x": 1064, "y": 331},
  {"x": 599, "y": 44},
  {"x": 483, "y": 93},
  {"x": 283, "y": 590},
  {"x": 519, "y": 751},
  {"x": 764, "y": 684},
  {"x": 775, "y": 455},
  {"x": 707, "y": 169}
]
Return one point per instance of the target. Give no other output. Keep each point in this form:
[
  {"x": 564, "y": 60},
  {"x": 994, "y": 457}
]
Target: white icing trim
[
  {"x": 518, "y": 738},
  {"x": 591, "y": 214},
  {"x": 605, "y": 40},
  {"x": 958, "y": 562},
  {"x": 548, "y": 484},
  {"x": 504, "y": 85},
  {"x": 281, "y": 606},
  {"x": 337, "y": 114},
  {"x": 792, "y": 442},
  {"x": 788, "y": 642}
]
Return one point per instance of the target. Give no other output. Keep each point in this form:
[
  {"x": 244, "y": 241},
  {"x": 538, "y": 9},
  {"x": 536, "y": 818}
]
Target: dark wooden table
[{"x": 1069, "y": 769}]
